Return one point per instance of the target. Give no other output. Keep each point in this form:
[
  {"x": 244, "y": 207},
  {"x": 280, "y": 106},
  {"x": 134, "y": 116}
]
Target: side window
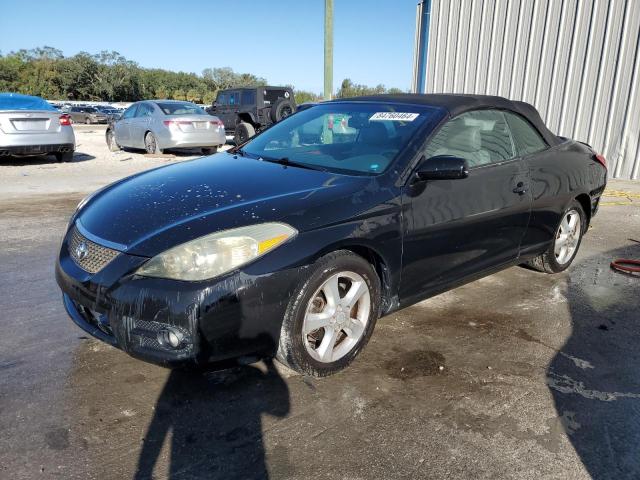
[
  {"x": 248, "y": 97},
  {"x": 481, "y": 137},
  {"x": 130, "y": 112},
  {"x": 525, "y": 136},
  {"x": 144, "y": 110}
]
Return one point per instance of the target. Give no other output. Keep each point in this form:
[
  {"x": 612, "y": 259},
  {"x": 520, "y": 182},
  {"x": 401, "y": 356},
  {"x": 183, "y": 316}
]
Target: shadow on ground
[
  {"x": 13, "y": 161},
  {"x": 214, "y": 423},
  {"x": 595, "y": 377}
]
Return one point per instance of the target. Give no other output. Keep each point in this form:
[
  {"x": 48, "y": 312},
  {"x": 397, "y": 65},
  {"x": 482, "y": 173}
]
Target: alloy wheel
[
  {"x": 336, "y": 317},
  {"x": 568, "y": 236}
]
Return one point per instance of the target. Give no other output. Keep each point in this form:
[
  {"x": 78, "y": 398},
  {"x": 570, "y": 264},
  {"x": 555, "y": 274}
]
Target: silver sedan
[
  {"x": 31, "y": 126},
  {"x": 162, "y": 124}
]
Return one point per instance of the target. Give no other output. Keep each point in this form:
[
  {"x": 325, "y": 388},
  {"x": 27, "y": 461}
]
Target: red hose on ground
[{"x": 624, "y": 265}]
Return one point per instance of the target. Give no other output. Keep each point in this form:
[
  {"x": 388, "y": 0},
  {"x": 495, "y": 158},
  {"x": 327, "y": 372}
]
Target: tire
[
  {"x": 244, "y": 131},
  {"x": 87, "y": 121},
  {"x": 151, "y": 144},
  {"x": 553, "y": 260},
  {"x": 307, "y": 353},
  {"x": 111, "y": 142},
  {"x": 64, "y": 157},
  {"x": 210, "y": 151},
  {"x": 281, "y": 109}
]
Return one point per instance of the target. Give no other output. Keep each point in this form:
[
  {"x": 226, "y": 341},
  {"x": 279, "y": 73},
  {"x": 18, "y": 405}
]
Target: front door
[
  {"x": 139, "y": 125},
  {"x": 122, "y": 126},
  {"x": 455, "y": 229}
]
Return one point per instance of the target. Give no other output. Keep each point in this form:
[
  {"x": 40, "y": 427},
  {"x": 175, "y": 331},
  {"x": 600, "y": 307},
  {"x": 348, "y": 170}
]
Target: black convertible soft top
[{"x": 456, "y": 104}]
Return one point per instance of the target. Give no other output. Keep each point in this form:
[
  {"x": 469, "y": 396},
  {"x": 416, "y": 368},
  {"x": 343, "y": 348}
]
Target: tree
[
  {"x": 350, "y": 89},
  {"x": 193, "y": 96},
  {"x": 179, "y": 94},
  {"x": 302, "y": 96},
  {"x": 108, "y": 75}
]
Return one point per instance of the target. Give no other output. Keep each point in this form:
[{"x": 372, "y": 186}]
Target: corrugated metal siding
[{"x": 576, "y": 61}]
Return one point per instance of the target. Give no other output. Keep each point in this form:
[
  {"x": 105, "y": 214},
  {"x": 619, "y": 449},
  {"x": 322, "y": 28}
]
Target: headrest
[{"x": 466, "y": 140}]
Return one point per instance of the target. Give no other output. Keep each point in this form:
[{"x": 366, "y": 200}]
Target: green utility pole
[{"x": 328, "y": 49}]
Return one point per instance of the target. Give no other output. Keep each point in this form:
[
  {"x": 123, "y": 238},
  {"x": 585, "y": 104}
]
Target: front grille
[{"x": 88, "y": 255}]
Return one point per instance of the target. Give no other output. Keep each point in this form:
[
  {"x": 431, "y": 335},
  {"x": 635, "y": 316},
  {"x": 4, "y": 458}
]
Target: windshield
[
  {"x": 178, "y": 108},
  {"x": 361, "y": 138}
]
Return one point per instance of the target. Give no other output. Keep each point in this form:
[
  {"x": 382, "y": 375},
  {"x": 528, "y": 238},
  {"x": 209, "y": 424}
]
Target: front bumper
[{"x": 237, "y": 315}]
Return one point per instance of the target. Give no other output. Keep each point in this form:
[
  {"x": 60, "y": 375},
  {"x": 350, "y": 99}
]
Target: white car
[
  {"x": 156, "y": 125},
  {"x": 31, "y": 126}
]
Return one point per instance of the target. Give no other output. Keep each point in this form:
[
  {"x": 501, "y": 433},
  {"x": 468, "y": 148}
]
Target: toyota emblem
[{"x": 82, "y": 251}]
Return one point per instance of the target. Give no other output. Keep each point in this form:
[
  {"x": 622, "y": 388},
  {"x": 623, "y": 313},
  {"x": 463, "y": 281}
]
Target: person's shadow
[
  {"x": 214, "y": 421},
  {"x": 595, "y": 377}
]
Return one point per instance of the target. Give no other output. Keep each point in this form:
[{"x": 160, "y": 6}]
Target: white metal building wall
[{"x": 576, "y": 61}]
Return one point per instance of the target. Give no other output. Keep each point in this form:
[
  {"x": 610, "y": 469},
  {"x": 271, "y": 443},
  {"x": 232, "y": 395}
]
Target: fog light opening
[{"x": 170, "y": 338}]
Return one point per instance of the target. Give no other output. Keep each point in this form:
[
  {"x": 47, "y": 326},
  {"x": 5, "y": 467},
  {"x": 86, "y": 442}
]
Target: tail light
[
  {"x": 216, "y": 123},
  {"x": 65, "y": 120},
  {"x": 601, "y": 159}
]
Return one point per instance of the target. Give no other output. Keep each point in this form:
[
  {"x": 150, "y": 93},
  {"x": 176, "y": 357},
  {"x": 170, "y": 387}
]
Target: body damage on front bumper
[{"x": 233, "y": 316}]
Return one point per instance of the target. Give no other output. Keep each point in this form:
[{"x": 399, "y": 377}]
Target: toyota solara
[{"x": 293, "y": 244}]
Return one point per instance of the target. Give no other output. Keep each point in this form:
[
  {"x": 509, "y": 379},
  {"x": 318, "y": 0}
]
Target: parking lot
[{"x": 518, "y": 375}]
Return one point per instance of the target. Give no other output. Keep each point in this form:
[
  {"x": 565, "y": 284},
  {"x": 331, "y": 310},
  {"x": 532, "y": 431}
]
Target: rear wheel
[
  {"x": 151, "y": 144},
  {"x": 244, "y": 131},
  {"x": 331, "y": 316},
  {"x": 566, "y": 242},
  {"x": 209, "y": 151},
  {"x": 111, "y": 142},
  {"x": 64, "y": 156}
]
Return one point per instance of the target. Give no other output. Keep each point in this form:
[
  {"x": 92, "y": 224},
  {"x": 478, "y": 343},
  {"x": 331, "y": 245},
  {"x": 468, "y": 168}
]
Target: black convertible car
[{"x": 294, "y": 243}]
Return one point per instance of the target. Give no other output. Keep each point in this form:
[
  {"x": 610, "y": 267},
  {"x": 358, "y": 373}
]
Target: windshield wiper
[{"x": 286, "y": 161}]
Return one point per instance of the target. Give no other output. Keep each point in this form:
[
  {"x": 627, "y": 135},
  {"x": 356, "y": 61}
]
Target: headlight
[{"x": 212, "y": 255}]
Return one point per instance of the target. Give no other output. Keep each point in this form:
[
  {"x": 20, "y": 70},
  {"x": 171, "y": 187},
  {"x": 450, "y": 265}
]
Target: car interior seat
[{"x": 465, "y": 143}]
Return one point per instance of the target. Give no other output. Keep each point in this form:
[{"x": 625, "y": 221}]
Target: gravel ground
[
  {"x": 520, "y": 375},
  {"x": 93, "y": 166}
]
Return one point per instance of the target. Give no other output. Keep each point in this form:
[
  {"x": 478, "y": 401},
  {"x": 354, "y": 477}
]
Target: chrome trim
[{"x": 100, "y": 241}]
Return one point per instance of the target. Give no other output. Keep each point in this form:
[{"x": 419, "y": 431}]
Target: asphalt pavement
[{"x": 519, "y": 375}]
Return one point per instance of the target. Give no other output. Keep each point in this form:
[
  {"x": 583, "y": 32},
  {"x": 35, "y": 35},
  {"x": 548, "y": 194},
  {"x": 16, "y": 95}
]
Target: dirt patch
[{"x": 417, "y": 363}]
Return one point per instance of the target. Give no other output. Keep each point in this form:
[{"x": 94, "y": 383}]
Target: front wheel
[
  {"x": 331, "y": 316},
  {"x": 566, "y": 242},
  {"x": 64, "y": 157},
  {"x": 151, "y": 144},
  {"x": 210, "y": 151},
  {"x": 87, "y": 121},
  {"x": 244, "y": 131}
]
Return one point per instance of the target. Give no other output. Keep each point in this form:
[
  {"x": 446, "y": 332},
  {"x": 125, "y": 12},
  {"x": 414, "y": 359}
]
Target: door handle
[{"x": 520, "y": 188}]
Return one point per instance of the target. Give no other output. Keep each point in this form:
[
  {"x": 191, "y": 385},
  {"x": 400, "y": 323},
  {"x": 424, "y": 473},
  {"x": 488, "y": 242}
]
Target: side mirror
[{"x": 442, "y": 167}]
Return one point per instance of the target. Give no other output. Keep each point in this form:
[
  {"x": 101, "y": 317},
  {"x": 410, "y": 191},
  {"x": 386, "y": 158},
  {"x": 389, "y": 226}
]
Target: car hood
[{"x": 158, "y": 209}]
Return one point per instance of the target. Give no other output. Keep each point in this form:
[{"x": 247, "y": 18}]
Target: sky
[{"x": 280, "y": 40}]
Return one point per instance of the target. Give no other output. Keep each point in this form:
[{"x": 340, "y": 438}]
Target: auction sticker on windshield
[{"x": 395, "y": 116}]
